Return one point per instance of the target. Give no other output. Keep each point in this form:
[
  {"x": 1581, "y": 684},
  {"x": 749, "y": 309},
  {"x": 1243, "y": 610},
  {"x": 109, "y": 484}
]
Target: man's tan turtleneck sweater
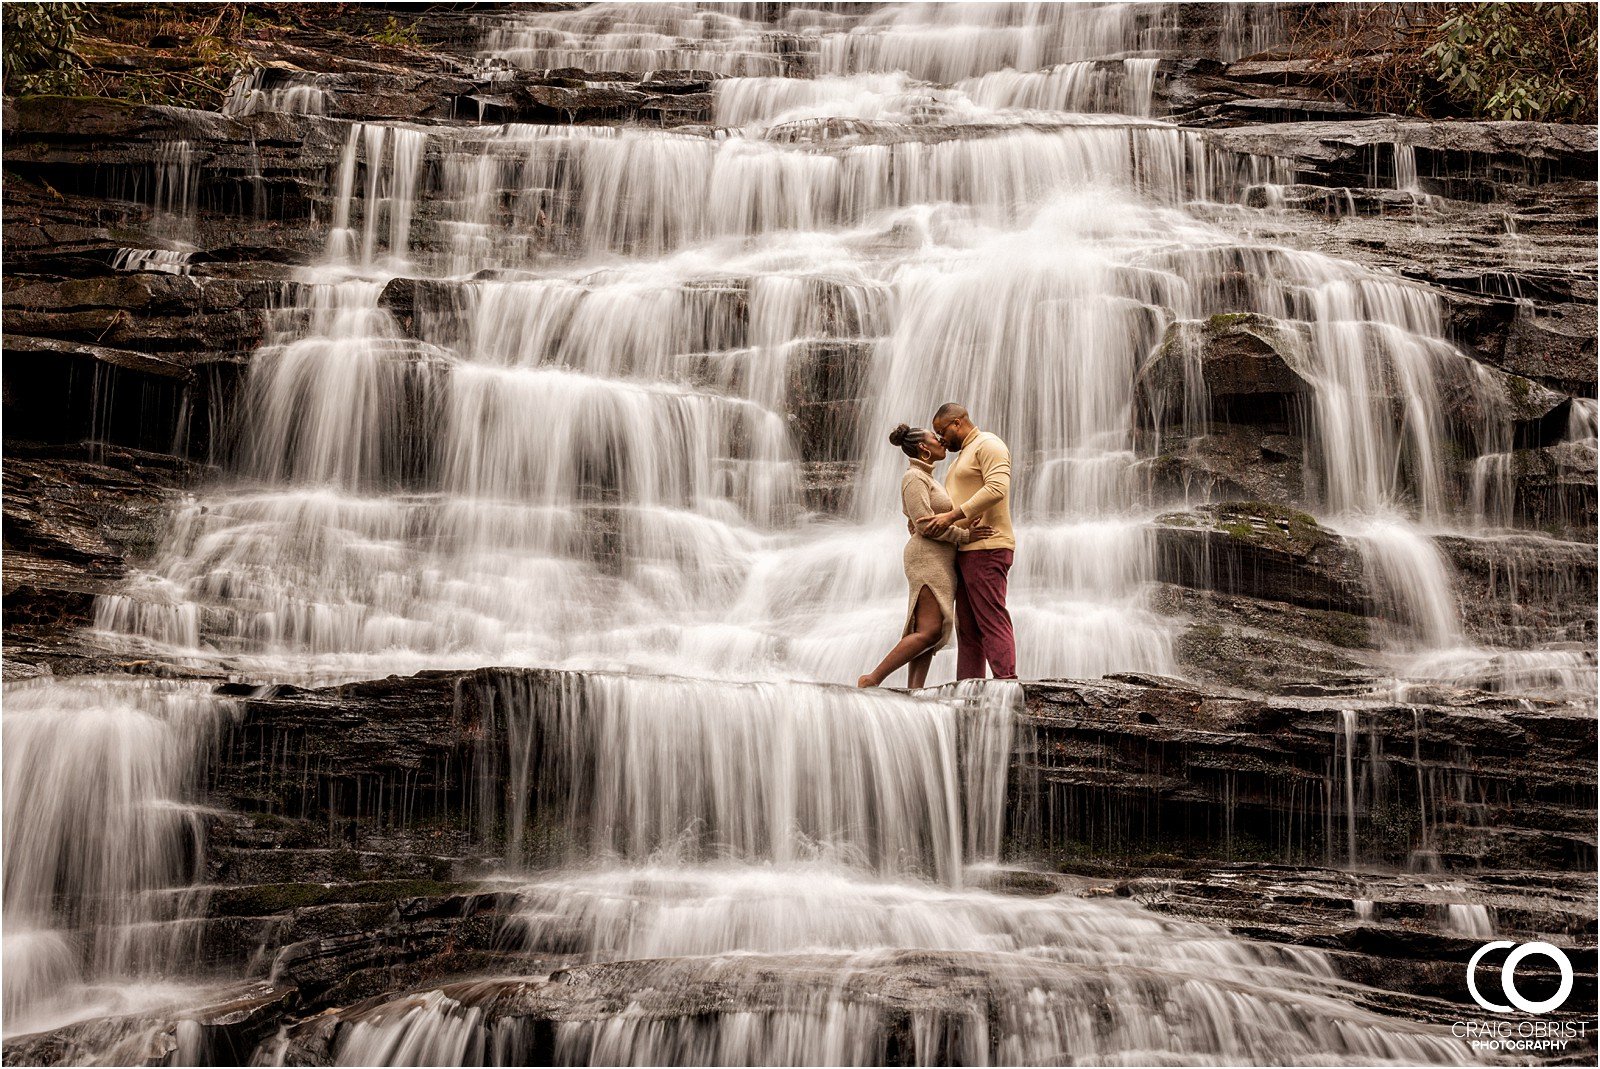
[{"x": 979, "y": 482}]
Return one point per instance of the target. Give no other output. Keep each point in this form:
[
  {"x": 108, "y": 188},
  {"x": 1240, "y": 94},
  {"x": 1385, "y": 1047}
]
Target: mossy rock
[
  {"x": 1259, "y": 523},
  {"x": 1348, "y": 631},
  {"x": 1226, "y": 320},
  {"x": 1247, "y": 364}
]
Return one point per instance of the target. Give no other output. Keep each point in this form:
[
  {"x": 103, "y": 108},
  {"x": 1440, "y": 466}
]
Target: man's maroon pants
[{"x": 983, "y": 625}]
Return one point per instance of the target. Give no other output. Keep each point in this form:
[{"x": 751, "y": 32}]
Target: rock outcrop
[
  {"x": 1262, "y": 551},
  {"x": 73, "y": 517},
  {"x": 1129, "y": 766},
  {"x": 1239, "y": 367}
]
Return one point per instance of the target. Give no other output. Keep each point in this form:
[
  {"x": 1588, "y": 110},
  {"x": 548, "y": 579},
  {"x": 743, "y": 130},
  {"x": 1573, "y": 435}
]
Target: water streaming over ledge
[
  {"x": 583, "y": 448},
  {"x": 102, "y": 846},
  {"x": 767, "y": 873},
  {"x": 392, "y": 491},
  {"x": 665, "y": 299}
]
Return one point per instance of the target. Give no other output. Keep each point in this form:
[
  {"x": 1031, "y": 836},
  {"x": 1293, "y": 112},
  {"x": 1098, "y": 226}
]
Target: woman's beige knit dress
[{"x": 930, "y": 562}]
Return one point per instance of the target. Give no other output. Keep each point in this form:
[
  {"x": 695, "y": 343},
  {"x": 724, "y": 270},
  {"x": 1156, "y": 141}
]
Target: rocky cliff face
[{"x": 353, "y": 834}]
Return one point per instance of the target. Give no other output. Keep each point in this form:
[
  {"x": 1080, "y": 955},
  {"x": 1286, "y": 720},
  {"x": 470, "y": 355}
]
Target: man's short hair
[{"x": 950, "y": 410}]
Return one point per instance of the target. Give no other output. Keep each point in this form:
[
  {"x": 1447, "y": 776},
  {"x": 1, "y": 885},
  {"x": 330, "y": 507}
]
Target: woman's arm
[{"x": 917, "y": 502}]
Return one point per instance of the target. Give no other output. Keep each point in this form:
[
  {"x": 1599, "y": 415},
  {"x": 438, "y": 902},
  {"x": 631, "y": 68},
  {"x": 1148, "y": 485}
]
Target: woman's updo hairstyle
[{"x": 909, "y": 439}]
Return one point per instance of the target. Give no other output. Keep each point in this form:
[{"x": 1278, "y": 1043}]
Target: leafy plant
[
  {"x": 36, "y": 46},
  {"x": 397, "y": 34},
  {"x": 180, "y": 54},
  {"x": 1474, "y": 60},
  {"x": 1519, "y": 61}
]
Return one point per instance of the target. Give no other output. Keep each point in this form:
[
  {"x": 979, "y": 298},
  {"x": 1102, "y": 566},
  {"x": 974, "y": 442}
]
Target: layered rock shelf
[{"x": 354, "y": 842}]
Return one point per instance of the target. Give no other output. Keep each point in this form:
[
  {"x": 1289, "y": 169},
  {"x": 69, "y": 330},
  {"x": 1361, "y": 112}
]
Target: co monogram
[{"x": 1508, "y": 977}]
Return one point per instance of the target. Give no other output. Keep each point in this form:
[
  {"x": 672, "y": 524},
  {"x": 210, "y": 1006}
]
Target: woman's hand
[
  {"x": 939, "y": 524},
  {"x": 980, "y": 531}
]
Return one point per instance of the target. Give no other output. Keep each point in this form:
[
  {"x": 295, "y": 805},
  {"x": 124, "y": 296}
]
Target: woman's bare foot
[{"x": 866, "y": 681}]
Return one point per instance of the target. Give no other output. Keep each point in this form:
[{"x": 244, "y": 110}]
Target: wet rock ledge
[{"x": 357, "y": 830}]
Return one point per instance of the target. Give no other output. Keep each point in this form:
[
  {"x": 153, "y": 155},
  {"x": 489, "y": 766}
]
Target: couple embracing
[{"x": 959, "y": 554}]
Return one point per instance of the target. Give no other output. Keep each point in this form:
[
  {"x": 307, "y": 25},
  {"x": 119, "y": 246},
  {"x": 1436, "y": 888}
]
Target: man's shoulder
[{"x": 987, "y": 440}]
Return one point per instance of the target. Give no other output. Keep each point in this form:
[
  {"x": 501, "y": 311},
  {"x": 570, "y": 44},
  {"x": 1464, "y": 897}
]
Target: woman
[{"x": 930, "y": 562}]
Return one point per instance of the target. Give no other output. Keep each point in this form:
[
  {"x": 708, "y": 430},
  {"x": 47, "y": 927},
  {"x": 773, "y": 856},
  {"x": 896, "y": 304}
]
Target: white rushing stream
[{"x": 582, "y": 452}]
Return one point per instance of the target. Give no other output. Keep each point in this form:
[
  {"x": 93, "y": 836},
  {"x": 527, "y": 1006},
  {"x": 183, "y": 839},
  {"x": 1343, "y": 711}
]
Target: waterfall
[
  {"x": 167, "y": 261},
  {"x": 1470, "y": 920},
  {"x": 280, "y": 92},
  {"x": 1412, "y": 584},
  {"x": 932, "y": 42},
  {"x": 392, "y": 158},
  {"x": 1349, "y": 726},
  {"x": 670, "y": 769},
  {"x": 742, "y": 887},
  {"x": 101, "y": 846},
  {"x": 988, "y": 734},
  {"x": 1405, "y": 167},
  {"x": 612, "y": 400},
  {"x": 175, "y": 192},
  {"x": 856, "y": 1019}
]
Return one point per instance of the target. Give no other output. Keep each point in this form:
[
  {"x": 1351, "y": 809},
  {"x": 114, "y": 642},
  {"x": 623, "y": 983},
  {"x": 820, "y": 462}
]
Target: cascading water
[
  {"x": 292, "y": 94},
  {"x": 1349, "y": 723},
  {"x": 685, "y": 770},
  {"x": 751, "y": 851},
  {"x": 168, "y": 261},
  {"x": 589, "y": 448},
  {"x": 662, "y": 493},
  {"x": 101, "y": 847}
]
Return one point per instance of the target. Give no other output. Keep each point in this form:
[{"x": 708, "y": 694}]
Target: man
[{"x": 979, "y": 482}]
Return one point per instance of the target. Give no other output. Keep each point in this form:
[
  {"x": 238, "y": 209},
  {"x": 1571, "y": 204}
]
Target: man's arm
[{"x": 994, "y": 461}]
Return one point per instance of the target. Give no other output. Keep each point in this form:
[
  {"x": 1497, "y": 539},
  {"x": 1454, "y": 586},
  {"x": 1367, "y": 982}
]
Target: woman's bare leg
[
  {"x": 917, "y": 670},
  {"x": 929, "y": 623}
]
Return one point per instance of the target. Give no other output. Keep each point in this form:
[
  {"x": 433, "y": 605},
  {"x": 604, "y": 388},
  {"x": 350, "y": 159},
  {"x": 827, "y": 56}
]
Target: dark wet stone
[
  {"x": 1525, "y": 589},
  {"x": 204, "y": 319},
  {"x": 1344, "y": 153},
  {"x": 72, "y": 522},
  {"x": 1231, "y": 462},
  {"x": 1262, "y": 551},
  {"x": 1549, "y": 342},
  {"x": 679, "y": 81},
  {"x": 223, "y": 1033},
  {"x": 1388, "y": 930},
  {"x": 1244, "y": 361},
  {"x": 1120, "y": 768},
  {"x": 827, "y": 381},
  {"x": 828, "y": 486}
]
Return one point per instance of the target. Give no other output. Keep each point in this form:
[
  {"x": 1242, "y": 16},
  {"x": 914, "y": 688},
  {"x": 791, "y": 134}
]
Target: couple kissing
[{"x": 959, "y": 553}]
